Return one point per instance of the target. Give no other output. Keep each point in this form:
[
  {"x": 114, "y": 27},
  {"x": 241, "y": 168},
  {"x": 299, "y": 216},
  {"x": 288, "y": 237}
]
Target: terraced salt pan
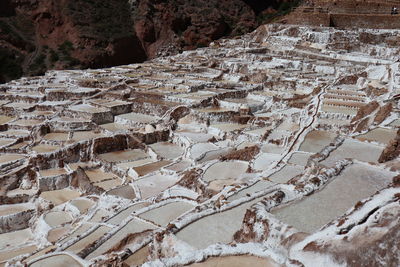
[
  {"x": 19, "y": 145},
  {"x": 115, "y": 127},
  {"x": 123, "y": 214},
  {"x": 14, "y": 208},
  {"x": 52, "y": 172},
  {"x": 139, "y": 257},
  {"x": 89, "y": 239},
  {"x": 216, "y": 228},
  {"x": 225, "y": 171},
  {"x": 20, "y": 105},
  {"x": 318, "y": 209},
  {"x": 9, "y": 254},
  {"x": 316, "y": 140},
  {"x": 77, "y": 232},
  {"x": 299, "y": 158},
  {"x": 254, "y": 105},
  {"x": 57, "y": 218},
  {"x": 125, "y": 155},
  {"x": 19, "y": 191},
  {"x": 108, "y": 184},
  {"x": 395, "y": 123},
  {"x": 56, "y": 233},
  {"x": 6, "y": 141},
  {"x": 167, "y": 150},
  {"x": 134, "y": 226},
  {"x": 179, "y": 166},
  {"x": 286, "y": 173},
  {"x": 82, "y": 204},
  {"x": 58, "y": 197},
  {"x": 340, "y": 110},
  {"x": 5, "y": 119},
  {"x": 151, "y": 167},
  {"x": 61, "y": 137},
  {"x": 15, "y": 133},
  {"x": 261, "y": 185},
  {"x": 62, "y": 260},
  {"x": 259, "y": 132},
  {"x": 45, "y": 148},
  {"x": 272, "y": 148},
  {"x": 125, "y": 191},
  {"x": 135, "y": 118},
  {"x": 228, "y": 127},
  {"x": 151, "y": 186},
  {"x": 100, "y": 215},
  {"x": 265, "y": 160},
  {"x": 39, "y": 253},
  {"x": 195, "y": 137},
  {"x": 84, "y": 165},
  {"x": 167, "y": 213},
  {"x": 355, "y": 149},
  {"x": 214, "y": 154},
  {"x": 86, "y": 108},
  {"x": 71, "y": 120},
  {"x": 379, "y": 135},
  {"x": 289, "y": 126},
  {"x": 16, "y": 238},
  {"x": 28, "y": 123},
  {"x": 137, "y": 163},
  {"x": 112, "y": 104},
  {"x": 85, "y": 135},
  {"x": 4, "y": 158},
  {"x": 198, "y": 150},
  {"x": 98, "y": 175},
  {"x": 236, "y": 261}
]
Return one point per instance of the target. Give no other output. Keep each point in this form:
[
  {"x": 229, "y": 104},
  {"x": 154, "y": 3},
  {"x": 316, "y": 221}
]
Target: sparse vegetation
[
  {"x": 10, "y": 66},
  {"x": 283, "y": 9},
  {"x": 99, "y": 19}
]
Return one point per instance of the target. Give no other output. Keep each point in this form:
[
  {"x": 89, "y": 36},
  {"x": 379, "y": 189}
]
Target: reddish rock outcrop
[
  {"x": 392, "y": 150},
  {"x": 49, "y": 34}
]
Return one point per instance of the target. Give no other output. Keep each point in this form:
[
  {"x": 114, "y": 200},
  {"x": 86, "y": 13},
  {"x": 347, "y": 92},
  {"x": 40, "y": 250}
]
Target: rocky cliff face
[{"x": 36, "y": 35}]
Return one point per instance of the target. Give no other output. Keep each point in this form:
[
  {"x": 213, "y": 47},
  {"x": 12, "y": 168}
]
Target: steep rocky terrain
[{"x": 36, "y": 35}]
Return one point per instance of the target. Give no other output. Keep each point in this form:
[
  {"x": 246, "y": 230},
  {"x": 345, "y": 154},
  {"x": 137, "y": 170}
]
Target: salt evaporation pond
[
  {"x": 87, "y": 240},
  {"x": 315, "y": 141},
  {"x": 123, "y": 214},
  {"x": 152, "y": 185},
  {"x": 62, "y": 260},
  {"x": 167, "y": 213},
  {"x": 236, "y": 261},
  {"x": 216, "y": 228},
  {"x": 57, "y": 218},
  {"x": 167, "y": 150},
  {"x": 11, "y": 239},
  {"x": 60, "y": 196},
  {"x": 265, "y": 160},
  {"x": 134, "y": 226},
  {"x": 379, "y": 135},
  {"x": 355, "y": 149},
  {"x": 299, "y": 158},
  {"x": 260, "y": 185},
  {"x": 126, "y": 155},
  {"x": 286, "y": 173},
  {"x": 9, "y": 254},
  {"x": 225, "y": 170},
  {"x": 314, "y": 211}
]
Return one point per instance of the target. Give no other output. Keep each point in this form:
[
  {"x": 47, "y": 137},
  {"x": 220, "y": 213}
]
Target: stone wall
[
  {"x": 365, "y": 21},
  {"x": 310, "y": 19}
]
